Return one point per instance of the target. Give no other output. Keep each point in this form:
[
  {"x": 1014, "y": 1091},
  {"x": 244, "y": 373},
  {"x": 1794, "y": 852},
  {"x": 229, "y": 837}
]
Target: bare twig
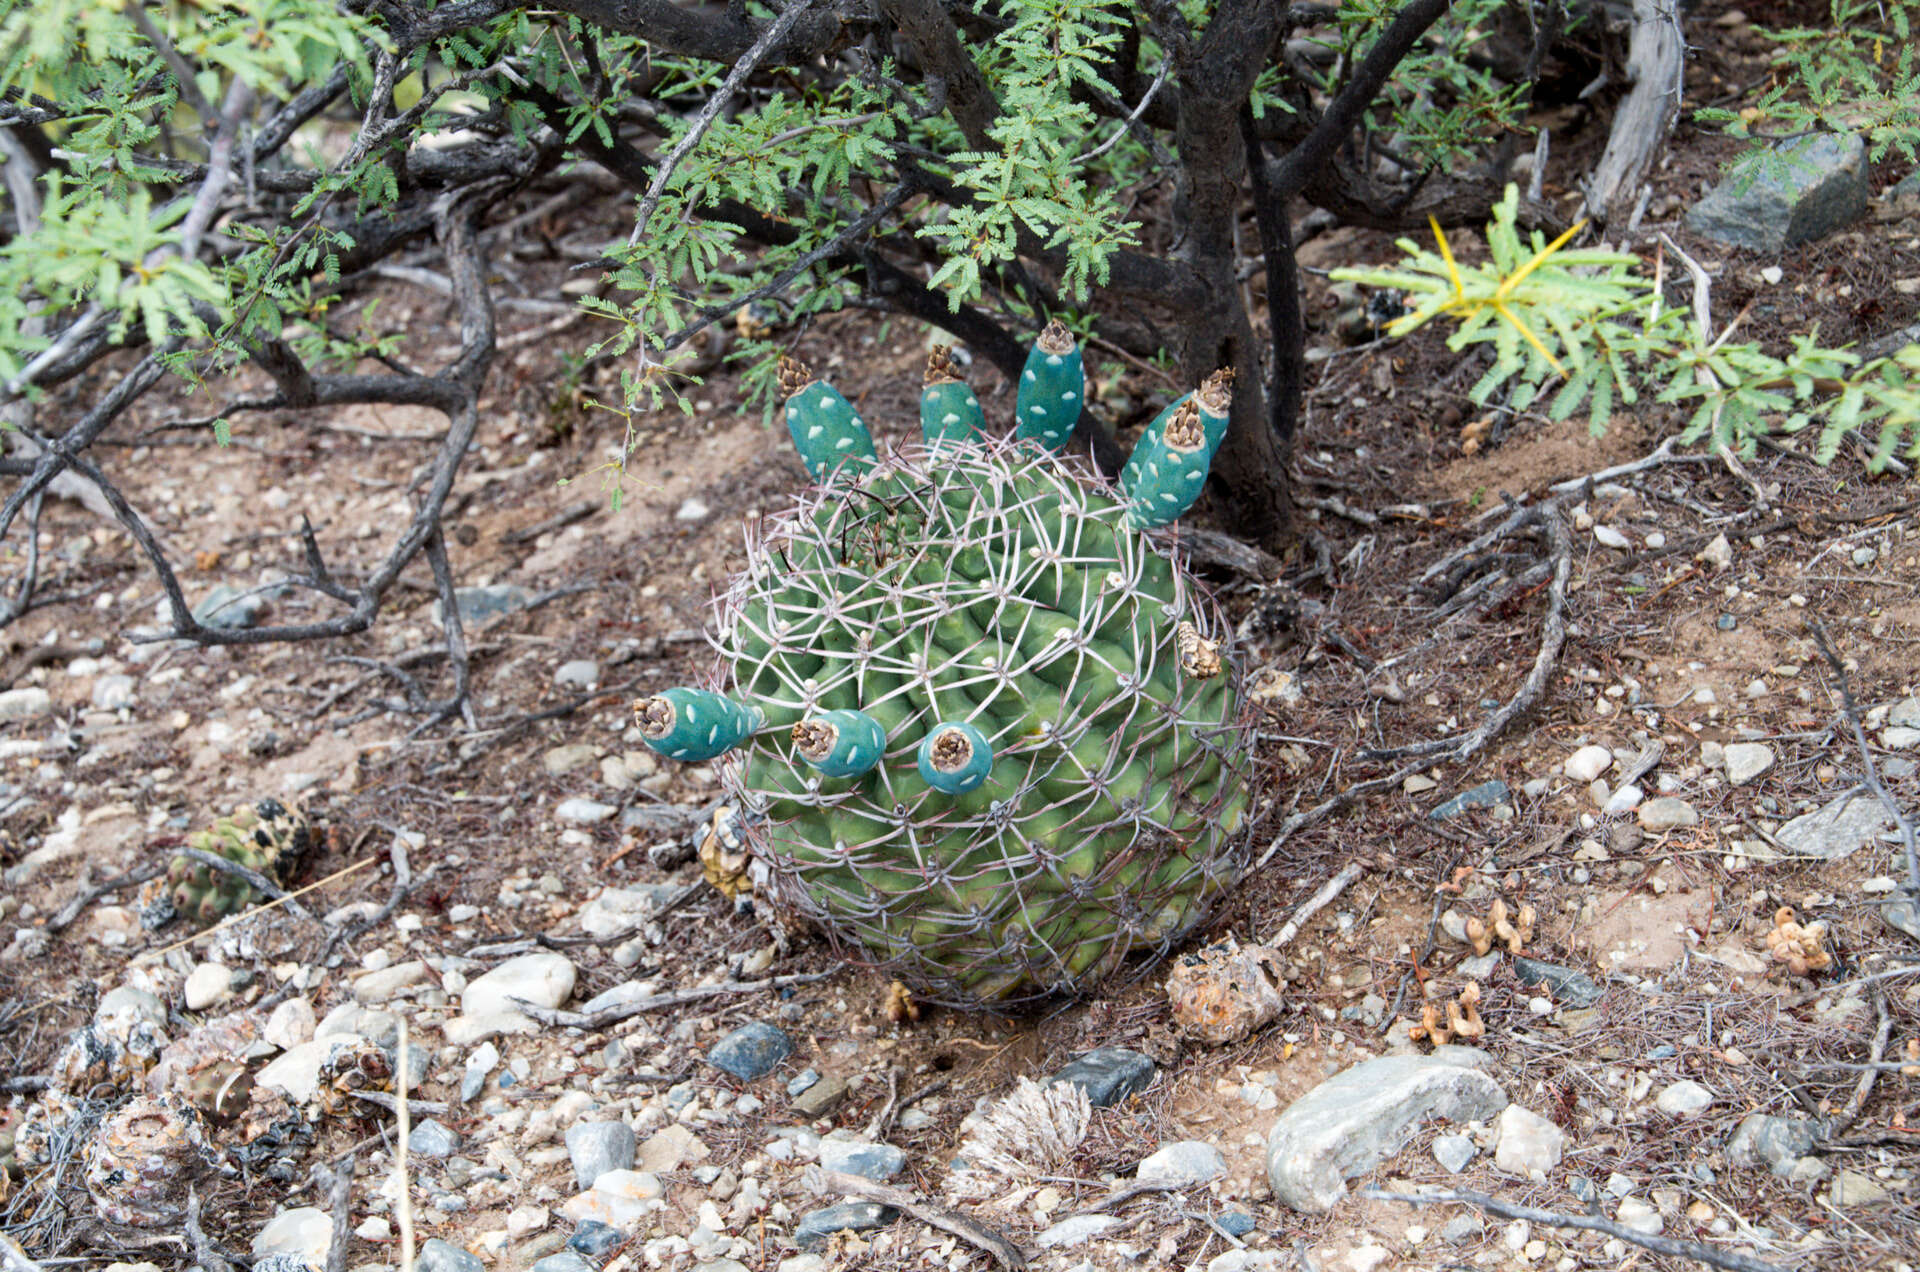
[
  {"x": 1319, "y": 901},
  {"x": 1870, "y": 1072},
  {"x": 425, "y": 1108},
  {"x": 1004, "y": 1252},
  {"x": 339, "y": 1181},
  {"x": 1592, "y": 1223},
  {"x": 133, "y": 878},
  {"x": 654, "y": 1002},
  {"x": 204, "y": 1252}
]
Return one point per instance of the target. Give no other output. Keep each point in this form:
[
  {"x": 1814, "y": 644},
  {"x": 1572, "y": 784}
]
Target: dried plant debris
[
  {"x": 1510, "y": 930},
  {"x": 899, "y": 1006},
  {"x": 723, "y": 856},
  {"x": 1226, "y": 991},
  {"x": 1026, "y": 1135},
  {"x": 1462, "y": 1019},
  {"x": 1799, "y": 946}
]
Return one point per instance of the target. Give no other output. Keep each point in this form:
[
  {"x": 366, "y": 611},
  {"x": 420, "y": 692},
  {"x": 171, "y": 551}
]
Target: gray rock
[
  {"x": 1906, "y": 712},
  {"x": 1108, "y": 1075},
  {"x": 1485, "y": 795},
  {"x": 1777, "y": 1143},
  {"x": 584, "y": 812},
  {"x": 1838, "y": 829},
  {"x": 1358, "y": 1118},
  {"x": 1907, "y": 188},
  {"x": 479, "y": 1065},
  {"x": 229, "y": 608},
  {"x": 1480, "y": 966},
  {"x": 1454, "y": 1152},
  {"x": 1184, "y": 1162},
  {"x": 1075, "y": 1231},
  {"x": 821, "y": 1097},
  {"x": 565, "y": 1261},
  {"x": 25, "y": 704},
  {"x": 1236, "y": 1223},
  {"x": 1796, "y": 192},
  {"x": 431, "y": 1139},
  {"x": 1855, "y": 1188},
  {"x": 1572, "y": 988},
  {"x": 1747, "y": 760},
  {"x": 110, "y": 693},
  {"x": 543, "y": 979},
  {"x": 852, "y": 1216},
  {"x": 1461, "y": 1229},
  {"x": 801, "y": 1081},
  {"x": 1666, "y": 813},
  {"x": 1902, "y": 914},
  {"x": 598, "y": 1147},
  {"x": 596, "y": 1240},
  {"x": 440, "y": 1256},
  {"x": 578, "y": 673},
  {"x": 878, "y": 1162},
  {"x": 751, "y": 1051},
  {"x": 478, "y": 604},
  {"x": 1684, "y": 1098},
  {"x": 1526, "y": 1144}
]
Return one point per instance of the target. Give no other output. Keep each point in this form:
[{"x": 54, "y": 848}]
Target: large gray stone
[
  {"x": 1797, "y": 192},
  {"x": 439, "y": 1256},
  {"x": 1778, "y": 1143},
  {"x": 851, "y": 1216},
  {"x": 1360, "y": 1117},
  {"x": 598, "y": 1147},
  {"x": 751, "y": 1051},
  {"x": 1838, "y": 828}
]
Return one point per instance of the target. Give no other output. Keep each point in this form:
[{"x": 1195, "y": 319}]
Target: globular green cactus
[
  {"x": 267, "y": 839},
  {"x": 986, "y": 732}
]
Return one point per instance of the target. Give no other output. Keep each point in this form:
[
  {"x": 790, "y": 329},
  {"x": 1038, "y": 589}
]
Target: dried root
[
  {"x": 1511, "y": 931},
  {"x": 1463, "y": 1019},
  {"x": 1798, "y": 945}
]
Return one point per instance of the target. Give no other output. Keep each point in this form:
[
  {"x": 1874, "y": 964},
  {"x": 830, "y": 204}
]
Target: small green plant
[
  {"x": 1858, "y": 74},
  {"x": 1589, "y": 328}
]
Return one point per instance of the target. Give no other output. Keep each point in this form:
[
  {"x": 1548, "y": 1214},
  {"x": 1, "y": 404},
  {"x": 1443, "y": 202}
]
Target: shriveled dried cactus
[
  {"x": 1225, "y": 992},
  {"x": 1799, "y": 947},
  {"x": 994, "y": 737},
  {"x": 141, "y": 1160},
  {"x": 1512, "y": 931},
  {"x": 1463, "y": 1019}
]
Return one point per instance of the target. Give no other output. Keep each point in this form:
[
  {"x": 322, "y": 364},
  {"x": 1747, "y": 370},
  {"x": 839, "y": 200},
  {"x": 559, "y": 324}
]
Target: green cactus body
[
  {"x": 826, "y": 430},
  {"x": 268, "y": 839},
  {"x": 987, "y": 732},
  {"x": 1051, "y": 388},
  {"x": 949, "y": 411}
]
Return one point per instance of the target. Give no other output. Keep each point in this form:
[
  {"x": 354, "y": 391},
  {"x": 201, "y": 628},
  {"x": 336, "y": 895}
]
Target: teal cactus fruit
[
  {"x": 1052, "y": 386},
  {"x": 949, "y": 411},
  {"x": 268, "y": 838},
  {"x": 695, "y": 724},
  {"x": 827, "y": 431},
  {"x": 1001, "y": 744},
  {"x": 1167, "y": 468},
  {"x": 840, "y": 743}
]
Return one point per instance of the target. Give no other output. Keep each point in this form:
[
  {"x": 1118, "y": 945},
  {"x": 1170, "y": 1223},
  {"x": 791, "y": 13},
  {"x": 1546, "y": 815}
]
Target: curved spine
[
  {"x": 955, "y": 757},
  {"x": 949, "y": 410},
  {"x": 827, "y": 431},
  {"x": 1051, "y": 388},
  {"x": 695, "y": 724},
  {"x": 840, "y": 743}
]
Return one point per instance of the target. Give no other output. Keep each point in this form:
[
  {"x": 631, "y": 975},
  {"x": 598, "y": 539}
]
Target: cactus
[
  {"x": 267, "y": 839},
  {"x": 142, "y": 1159},
  {"x": 982, "y": 725}
]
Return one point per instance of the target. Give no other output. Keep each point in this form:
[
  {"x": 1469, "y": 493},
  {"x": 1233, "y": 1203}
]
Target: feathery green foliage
[{"x": 1590, "y": 329}]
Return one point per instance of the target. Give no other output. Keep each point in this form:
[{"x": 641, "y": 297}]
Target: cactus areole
[{"x": 984, "y": 730}]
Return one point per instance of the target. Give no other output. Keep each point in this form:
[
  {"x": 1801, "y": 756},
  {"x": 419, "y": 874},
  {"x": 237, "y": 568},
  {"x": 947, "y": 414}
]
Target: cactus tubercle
[{"x": 694, "y": 724}]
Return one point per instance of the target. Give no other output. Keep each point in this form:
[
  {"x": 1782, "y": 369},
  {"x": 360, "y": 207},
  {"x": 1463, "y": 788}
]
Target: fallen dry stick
[
  {"x": 1004, "y": 1252},
  {"x": 1594, "y": 1223},
  {"x": 672, "y": 998}
]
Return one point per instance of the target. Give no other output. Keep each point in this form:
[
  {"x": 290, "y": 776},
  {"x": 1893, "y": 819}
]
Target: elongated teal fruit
[
  {"x": 695, "y": 724},
  {"x": 841, "y": 743},
  {"x": 955, "y": 757},
  {"x": 1215, "y": 400},
  {"x": 826, "y": 430},
  {"x": 949, "y": 411},
  {"x": 1051, "y": 388},
  {"x": 1171, "y": 472}
]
